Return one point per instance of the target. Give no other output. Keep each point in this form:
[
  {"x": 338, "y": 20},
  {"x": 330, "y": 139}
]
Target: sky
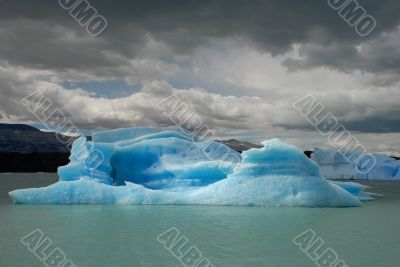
[{"x": 238, "y": 65}]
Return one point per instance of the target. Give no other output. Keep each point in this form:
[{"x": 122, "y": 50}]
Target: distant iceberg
[
  {"x": 333, "y": 165},
  {"x": 154, "y": 166}
]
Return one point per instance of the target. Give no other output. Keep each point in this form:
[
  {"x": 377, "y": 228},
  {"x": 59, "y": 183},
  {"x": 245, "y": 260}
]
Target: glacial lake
[{"x": 106, "y": 235}]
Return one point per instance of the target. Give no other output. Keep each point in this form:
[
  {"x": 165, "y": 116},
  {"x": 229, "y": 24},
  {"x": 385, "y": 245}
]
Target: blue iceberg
[
  {"x": 334, "y": 166},
  {"x": 154, "y": 166}
]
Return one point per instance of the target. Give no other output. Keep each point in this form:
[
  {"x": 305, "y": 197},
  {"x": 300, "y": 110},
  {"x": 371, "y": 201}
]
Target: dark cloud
[
  {"x": 154, "y": 40},
  {"x": 272, "y": 25},
  {"x": 376, "y": 124},
  {"x": 380, "y": 55}
]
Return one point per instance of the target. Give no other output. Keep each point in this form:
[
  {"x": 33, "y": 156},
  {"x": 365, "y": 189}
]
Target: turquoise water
[{"x": 227, "y": 236}]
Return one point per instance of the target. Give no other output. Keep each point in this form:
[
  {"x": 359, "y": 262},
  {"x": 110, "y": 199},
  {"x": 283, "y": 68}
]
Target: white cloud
[{"x": 256, "y": 116}]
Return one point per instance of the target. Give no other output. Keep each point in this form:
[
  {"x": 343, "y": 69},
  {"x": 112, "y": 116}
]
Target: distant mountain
[
  {"x": 24, "y": 148},
  {"x": 308, "y": 153},
  {"x": 239, "y": 146},
  {"x": 32, "y": 162},
  {"x": 18, "y": 127},
  {"x": 20, "y": 138}
]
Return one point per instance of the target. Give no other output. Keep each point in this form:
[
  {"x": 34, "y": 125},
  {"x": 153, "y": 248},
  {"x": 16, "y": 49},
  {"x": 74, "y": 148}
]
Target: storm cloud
[{"x": 239, "y": 64}]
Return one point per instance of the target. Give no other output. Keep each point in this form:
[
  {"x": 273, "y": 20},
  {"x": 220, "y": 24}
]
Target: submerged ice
[{"x": 153, "y": 166}]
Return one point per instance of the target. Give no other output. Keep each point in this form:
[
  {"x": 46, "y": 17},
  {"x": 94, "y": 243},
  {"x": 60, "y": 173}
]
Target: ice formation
[
  {"x": 334, "y": 165},
  {"x": 153, "y": 166}
]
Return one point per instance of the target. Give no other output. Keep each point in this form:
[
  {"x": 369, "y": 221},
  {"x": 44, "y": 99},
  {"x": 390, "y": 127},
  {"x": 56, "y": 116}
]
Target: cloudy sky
[{"x": 239, "y": 65}]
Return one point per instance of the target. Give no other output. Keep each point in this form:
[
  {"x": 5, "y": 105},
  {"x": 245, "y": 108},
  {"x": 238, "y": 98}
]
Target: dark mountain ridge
[{"x": 24, "y": 139}]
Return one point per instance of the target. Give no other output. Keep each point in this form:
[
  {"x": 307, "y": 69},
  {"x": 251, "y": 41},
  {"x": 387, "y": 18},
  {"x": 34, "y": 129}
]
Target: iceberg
[
  {"x": 168, "y": 166},
  {"x": 334, "y": 166}
]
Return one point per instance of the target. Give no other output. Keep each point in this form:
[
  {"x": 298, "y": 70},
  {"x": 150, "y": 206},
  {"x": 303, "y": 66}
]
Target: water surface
[{"x": 109, "y": 235}]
